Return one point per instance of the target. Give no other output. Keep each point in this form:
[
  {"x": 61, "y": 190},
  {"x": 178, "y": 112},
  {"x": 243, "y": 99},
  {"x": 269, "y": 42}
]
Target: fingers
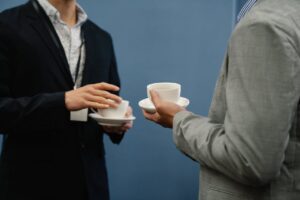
[
  {"x": 101, "y": 100},
  {"x": 127, "y": 126},
  {"x": 97, "y": 96},
  {"x": 152, "y": 117},
  {"x": 106, "y": 95},
  {"x": 147, "y": 115},
  {"x": 106, "y": 86},
  {"x": 109, "y": 129},
  {"x": 92, "y": 96},
  {"x": 121, "y": 129},
  {"x": 129, "y": 112},
  {"x": 155, "y": 98},
  {"x": 96, "y": 105}
]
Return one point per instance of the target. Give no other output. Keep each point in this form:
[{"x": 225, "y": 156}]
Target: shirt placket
[
  {"x": 68, "y": 41},
  {"x": 68, "y": 38}
]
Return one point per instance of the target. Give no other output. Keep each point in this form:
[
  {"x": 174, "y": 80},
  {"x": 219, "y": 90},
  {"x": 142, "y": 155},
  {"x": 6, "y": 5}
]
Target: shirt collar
[{"x": 54, "y": 14}]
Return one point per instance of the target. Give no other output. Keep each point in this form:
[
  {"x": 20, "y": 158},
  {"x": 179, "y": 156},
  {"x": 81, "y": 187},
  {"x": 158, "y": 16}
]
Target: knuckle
[
  {"x": 83, "y": 104},
  {"x": 86, "y": 89},
  {"x": 84, "y": 96},
  {"x": 158, "y": 107},
  {"x": 88, "y": 86},
  {"x": 86, "y": 103},
  {"x": 88, "y": 97},
  {"x": 90, "y": 89},
  {"x": 148, "y": 117},
  {"x": 104, "y": 94},
  {"x": 101, "y": 99}
]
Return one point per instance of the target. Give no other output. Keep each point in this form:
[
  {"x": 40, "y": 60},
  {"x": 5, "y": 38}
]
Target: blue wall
[{"x": 160, "y": 40}]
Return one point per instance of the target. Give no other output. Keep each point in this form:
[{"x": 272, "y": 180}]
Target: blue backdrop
[{"x": 160, "y": 40}]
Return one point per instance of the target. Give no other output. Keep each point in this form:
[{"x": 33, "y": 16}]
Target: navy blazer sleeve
[
  {"x": 114, "y": 79},
  {"x": 22, "y": 112}
]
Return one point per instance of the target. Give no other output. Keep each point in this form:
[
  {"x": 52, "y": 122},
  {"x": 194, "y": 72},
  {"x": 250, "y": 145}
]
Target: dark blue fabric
[{"x": 46, "y": 156}]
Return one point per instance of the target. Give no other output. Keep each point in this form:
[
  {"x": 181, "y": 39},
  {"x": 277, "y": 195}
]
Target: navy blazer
[{"x": 45, "y": 155}]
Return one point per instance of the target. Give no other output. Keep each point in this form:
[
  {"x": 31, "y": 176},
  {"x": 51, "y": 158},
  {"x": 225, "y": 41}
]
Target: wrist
[{"x": 67, "y": 101}]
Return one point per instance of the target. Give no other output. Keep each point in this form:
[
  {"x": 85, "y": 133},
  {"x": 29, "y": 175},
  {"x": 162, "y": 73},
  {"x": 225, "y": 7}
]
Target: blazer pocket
[{"x": 214, "y": 193}]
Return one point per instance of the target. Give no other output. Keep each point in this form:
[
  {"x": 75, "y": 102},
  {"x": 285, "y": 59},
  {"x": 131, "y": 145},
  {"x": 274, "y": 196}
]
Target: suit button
[{"x": 82, "y": 146}]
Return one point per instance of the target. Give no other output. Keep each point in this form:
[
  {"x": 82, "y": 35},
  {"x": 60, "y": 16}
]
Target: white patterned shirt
[{"x": 70, "y": 37}]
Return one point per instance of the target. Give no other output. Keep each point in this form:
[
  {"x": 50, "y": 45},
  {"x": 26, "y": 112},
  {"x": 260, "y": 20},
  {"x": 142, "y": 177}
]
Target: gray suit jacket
[{"x": 249, "y": 146}]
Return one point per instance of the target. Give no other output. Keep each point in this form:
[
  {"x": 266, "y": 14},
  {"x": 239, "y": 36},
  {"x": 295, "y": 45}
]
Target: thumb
[{"x": 155, "y": 98}]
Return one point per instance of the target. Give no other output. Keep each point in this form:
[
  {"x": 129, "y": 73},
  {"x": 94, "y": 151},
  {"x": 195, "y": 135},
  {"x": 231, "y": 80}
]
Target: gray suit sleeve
[{"x": 261, "y": 99}]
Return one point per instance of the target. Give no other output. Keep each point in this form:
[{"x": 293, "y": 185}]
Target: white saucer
[
  {"x": 147, "y": 105},
  {"x": 110, "y": 121}
]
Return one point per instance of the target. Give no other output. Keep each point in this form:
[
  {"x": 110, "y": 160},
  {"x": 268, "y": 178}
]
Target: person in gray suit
[{"x": 249, "y": 145}]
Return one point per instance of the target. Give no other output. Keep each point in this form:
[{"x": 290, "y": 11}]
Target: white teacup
[
  {"x": 118, "y": 112},
  {"x": 166, "y": 91}
]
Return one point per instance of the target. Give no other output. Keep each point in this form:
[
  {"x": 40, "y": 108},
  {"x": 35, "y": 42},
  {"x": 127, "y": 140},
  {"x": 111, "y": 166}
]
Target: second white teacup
[
  {"x": 166, "y": 91},
  {"x": 118, "y": 112}
]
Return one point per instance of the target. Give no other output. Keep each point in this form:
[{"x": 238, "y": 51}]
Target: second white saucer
[{"x": 147, "y": 105}]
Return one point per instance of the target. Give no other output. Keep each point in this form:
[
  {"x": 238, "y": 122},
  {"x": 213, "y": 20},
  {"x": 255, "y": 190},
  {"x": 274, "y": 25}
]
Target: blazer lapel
[
  {"x": 98, "y": 56},
  {"x": 40, "y": 27},
  {"x": 88, "y": 46}
]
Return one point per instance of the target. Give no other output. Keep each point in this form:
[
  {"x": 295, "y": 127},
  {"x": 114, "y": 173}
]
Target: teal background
[{"x": 160, "y": 40}]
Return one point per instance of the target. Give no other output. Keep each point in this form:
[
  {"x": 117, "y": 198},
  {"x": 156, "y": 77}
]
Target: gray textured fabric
[{"x": 249, "y": 146}]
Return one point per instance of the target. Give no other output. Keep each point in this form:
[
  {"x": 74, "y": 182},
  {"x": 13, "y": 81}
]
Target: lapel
[
  {"x": 88, "y": 47},
  {"x": 43, "y": 32},
  {"x": 98, "y": 56}
]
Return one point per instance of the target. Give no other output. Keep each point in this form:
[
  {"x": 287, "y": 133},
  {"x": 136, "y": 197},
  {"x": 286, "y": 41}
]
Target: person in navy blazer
[{"x": 45, "y": 154}]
